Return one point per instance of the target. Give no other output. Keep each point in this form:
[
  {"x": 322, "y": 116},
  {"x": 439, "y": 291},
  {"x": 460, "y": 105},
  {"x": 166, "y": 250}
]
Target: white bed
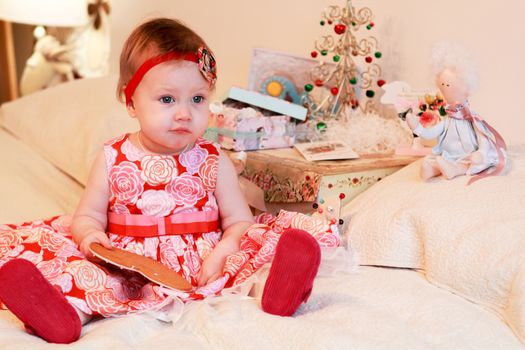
[{"x": 473, "y": 302}]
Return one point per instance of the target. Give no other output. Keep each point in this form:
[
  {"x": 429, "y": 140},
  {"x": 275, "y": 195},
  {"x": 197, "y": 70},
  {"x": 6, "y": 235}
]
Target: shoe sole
[{"x": 41, "y": 307}]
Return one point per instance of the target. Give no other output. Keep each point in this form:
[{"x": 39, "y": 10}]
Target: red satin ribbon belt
[{"x": 137, "y": 225}]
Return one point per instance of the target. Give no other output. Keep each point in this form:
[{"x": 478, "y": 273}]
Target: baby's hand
[
  {"x": 92, "y": 237},
  {"x": 412, "y": 121},
  {"x": 213, "y": 265}
]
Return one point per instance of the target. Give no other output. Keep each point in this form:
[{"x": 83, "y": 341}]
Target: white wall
[{"x": 493, "y": 31}]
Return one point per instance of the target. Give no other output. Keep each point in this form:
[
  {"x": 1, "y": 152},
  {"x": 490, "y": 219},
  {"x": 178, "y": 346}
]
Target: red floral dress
[{"x": 144, "y": 189}]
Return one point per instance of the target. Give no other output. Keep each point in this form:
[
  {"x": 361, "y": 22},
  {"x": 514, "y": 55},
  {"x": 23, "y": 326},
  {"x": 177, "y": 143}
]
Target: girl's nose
[{"x": 182, "y": 112}]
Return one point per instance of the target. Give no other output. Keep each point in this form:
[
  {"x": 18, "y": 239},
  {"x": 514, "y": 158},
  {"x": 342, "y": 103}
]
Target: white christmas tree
[{"x": 341, "y": 83}]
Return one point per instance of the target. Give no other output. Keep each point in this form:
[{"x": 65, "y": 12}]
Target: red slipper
[
  {"x": 291, "y": 277},
  {"x": 42, "y": 308}
]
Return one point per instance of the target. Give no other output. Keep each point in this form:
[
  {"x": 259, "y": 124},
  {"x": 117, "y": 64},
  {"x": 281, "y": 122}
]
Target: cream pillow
[
  {"x": 380, "y": 224},
  {"x": 68, "y": 123},
  {"x": 469, "y": 239}
]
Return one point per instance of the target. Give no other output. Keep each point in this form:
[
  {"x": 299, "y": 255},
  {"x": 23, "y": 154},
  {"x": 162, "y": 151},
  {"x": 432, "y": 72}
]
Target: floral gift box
[
  {"x": 243, "y": 129},
  {"x": 248, "y": 120}
]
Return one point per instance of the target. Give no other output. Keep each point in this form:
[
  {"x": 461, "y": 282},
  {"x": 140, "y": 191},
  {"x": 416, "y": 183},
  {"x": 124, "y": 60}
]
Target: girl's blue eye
[
  {"x": 197, "y": 99},
  {"x": 167, "y": 99}
]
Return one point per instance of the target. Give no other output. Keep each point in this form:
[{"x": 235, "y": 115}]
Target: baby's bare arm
[
  {"x": 90, "y": 219},
  {"x": 233, "y": 208},
  {"x": 236, "y": 217}
]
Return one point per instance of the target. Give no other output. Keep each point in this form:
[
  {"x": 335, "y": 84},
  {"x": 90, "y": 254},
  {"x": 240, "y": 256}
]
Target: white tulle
[{"x": 333, "y": 261}]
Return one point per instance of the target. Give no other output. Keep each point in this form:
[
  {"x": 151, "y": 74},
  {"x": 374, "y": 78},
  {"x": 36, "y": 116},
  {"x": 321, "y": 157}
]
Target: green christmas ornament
[
  {"x": 369, "y": 27},
  {"x": 336, "y": 58},
  {"x": 370, "y": 93},
  {"x": 324, "y": 52},
  {"x": 321, "y": 126},
  {"x": 322, "y": 23},
  {"x": 353, "y": 80},
  {"x": 378, "y": 54},
  {"x": 308, "y": 87}
]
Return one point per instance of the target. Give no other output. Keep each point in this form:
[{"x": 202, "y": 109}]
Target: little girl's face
[{"x": 171, "y": 104}]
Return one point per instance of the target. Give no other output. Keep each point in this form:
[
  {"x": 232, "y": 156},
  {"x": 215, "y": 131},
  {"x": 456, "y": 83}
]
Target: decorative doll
[{"x": 467, "y": 144}]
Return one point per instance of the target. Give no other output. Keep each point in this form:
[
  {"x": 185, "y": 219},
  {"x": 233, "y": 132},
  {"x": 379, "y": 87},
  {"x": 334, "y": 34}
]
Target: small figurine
[
  {"x": 466, "y": 144},
  {"x": 48, "y": 65}
]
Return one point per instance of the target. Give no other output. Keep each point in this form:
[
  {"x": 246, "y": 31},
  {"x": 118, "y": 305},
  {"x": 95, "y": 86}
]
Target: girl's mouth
[{"x": 181, "y": 131}]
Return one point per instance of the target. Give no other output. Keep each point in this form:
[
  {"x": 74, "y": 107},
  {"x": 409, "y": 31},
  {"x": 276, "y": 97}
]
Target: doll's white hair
[{"x": 457, "y": 58}]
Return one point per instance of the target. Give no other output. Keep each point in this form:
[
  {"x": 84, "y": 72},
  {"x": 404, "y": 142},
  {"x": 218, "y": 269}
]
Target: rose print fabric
[{"x": 157, "y": 186}]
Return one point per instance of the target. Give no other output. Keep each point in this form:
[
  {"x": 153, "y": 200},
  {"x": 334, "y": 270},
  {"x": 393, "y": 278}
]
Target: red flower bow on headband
[{"x": 207, "y": 64}]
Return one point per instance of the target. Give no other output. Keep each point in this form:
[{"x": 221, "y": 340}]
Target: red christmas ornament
[
  {"x": 318, "y": 82},
  {"x": 340, "y": 28},
  {"x": 342, "y": 195},
  {"x": 330, "y": 21},
  {"x": 380, "y": 82},
  {"x": 334, "y": 90},
  {"x": 313, "y": 54},
  {"x": 368, "y": 59}
]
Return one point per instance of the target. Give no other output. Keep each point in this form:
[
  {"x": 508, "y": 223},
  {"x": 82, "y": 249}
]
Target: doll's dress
[
  {"x": 458, "y": 140},
  {"x": 154, "y": 200}
]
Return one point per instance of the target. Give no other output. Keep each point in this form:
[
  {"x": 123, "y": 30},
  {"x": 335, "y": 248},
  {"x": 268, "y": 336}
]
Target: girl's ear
[{"x": 131, "y": 109}]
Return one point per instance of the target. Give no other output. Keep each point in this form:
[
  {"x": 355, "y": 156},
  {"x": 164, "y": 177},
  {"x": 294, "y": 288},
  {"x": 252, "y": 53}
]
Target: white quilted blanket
[
  {"x": 468, "y": 239},
  {"x": 375, "y": 308}
]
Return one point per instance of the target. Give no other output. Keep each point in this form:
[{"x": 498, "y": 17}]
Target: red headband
[{"x": 204, "y": 58}]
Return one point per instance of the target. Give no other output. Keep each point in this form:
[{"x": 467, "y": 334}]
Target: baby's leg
[
  {"x": 451, "y": 169},
  {"x": 291, "y": 277},
  {"x": 42, "y": 308},
  {"x": 429, "y": 168},
  {"x": 84, "y": 318}
]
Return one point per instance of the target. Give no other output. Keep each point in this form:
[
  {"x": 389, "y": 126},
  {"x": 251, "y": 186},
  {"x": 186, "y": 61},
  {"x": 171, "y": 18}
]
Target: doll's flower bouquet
[{"x": 431, "y": 110}]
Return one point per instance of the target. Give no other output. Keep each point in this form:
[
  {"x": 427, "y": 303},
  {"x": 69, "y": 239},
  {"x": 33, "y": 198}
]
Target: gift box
[
  {"x": 248, "y": 121},
  {"x": 243, "y": 129}
]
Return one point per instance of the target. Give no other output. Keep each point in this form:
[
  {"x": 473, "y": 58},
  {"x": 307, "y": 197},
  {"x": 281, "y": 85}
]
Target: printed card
[{"x": 326, "y": 150}]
